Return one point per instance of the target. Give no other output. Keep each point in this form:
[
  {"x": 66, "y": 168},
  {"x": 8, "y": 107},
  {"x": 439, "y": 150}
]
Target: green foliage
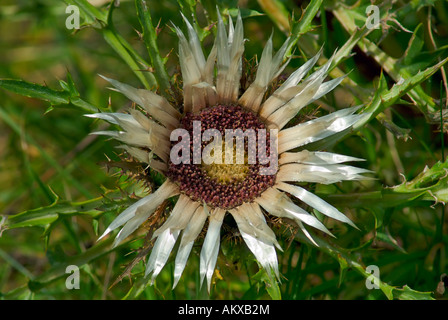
[
  {"x": 68, "y": 95},
  {"x": 56, "y": 197}
]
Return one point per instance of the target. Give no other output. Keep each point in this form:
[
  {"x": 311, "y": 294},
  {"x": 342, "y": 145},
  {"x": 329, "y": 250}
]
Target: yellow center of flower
[
  {"x": 227, "y": 173},
  {"x": 230, "y": 183}
]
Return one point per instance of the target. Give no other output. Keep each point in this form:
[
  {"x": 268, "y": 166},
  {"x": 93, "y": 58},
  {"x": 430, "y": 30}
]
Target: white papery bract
[{"x": 212, "y": 81}]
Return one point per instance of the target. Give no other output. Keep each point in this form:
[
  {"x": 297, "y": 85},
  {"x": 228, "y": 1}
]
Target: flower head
[{"x": 226, "y": 152}]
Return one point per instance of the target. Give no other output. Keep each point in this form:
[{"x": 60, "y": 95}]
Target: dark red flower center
[{"x": 225, "y": 185}]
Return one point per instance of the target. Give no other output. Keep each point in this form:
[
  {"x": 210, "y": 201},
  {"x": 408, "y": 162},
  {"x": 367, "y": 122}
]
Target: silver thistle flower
[{"x": 245, "y": 194}]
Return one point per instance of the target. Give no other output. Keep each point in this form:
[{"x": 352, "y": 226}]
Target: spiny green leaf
[
  {"x": 431, "y": 183},
  {"x": 303, "y": 25},
  {"x": 385, "y": 98},
  {"x": 37, "y": 91},
  {"x": 55, "y": 97},
  {"x": 428, "y": 178},
  {"x": 401, "y": 89},
  {"x": 407, "y": 293},
  {"x": 46, "y": 215}
]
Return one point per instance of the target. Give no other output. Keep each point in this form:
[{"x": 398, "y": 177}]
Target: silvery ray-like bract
[{"x": 212, "y": 94}]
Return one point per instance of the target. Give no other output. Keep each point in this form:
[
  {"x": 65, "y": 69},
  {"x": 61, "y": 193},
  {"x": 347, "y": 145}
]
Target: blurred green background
[{"x": 48, "y": 159}]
